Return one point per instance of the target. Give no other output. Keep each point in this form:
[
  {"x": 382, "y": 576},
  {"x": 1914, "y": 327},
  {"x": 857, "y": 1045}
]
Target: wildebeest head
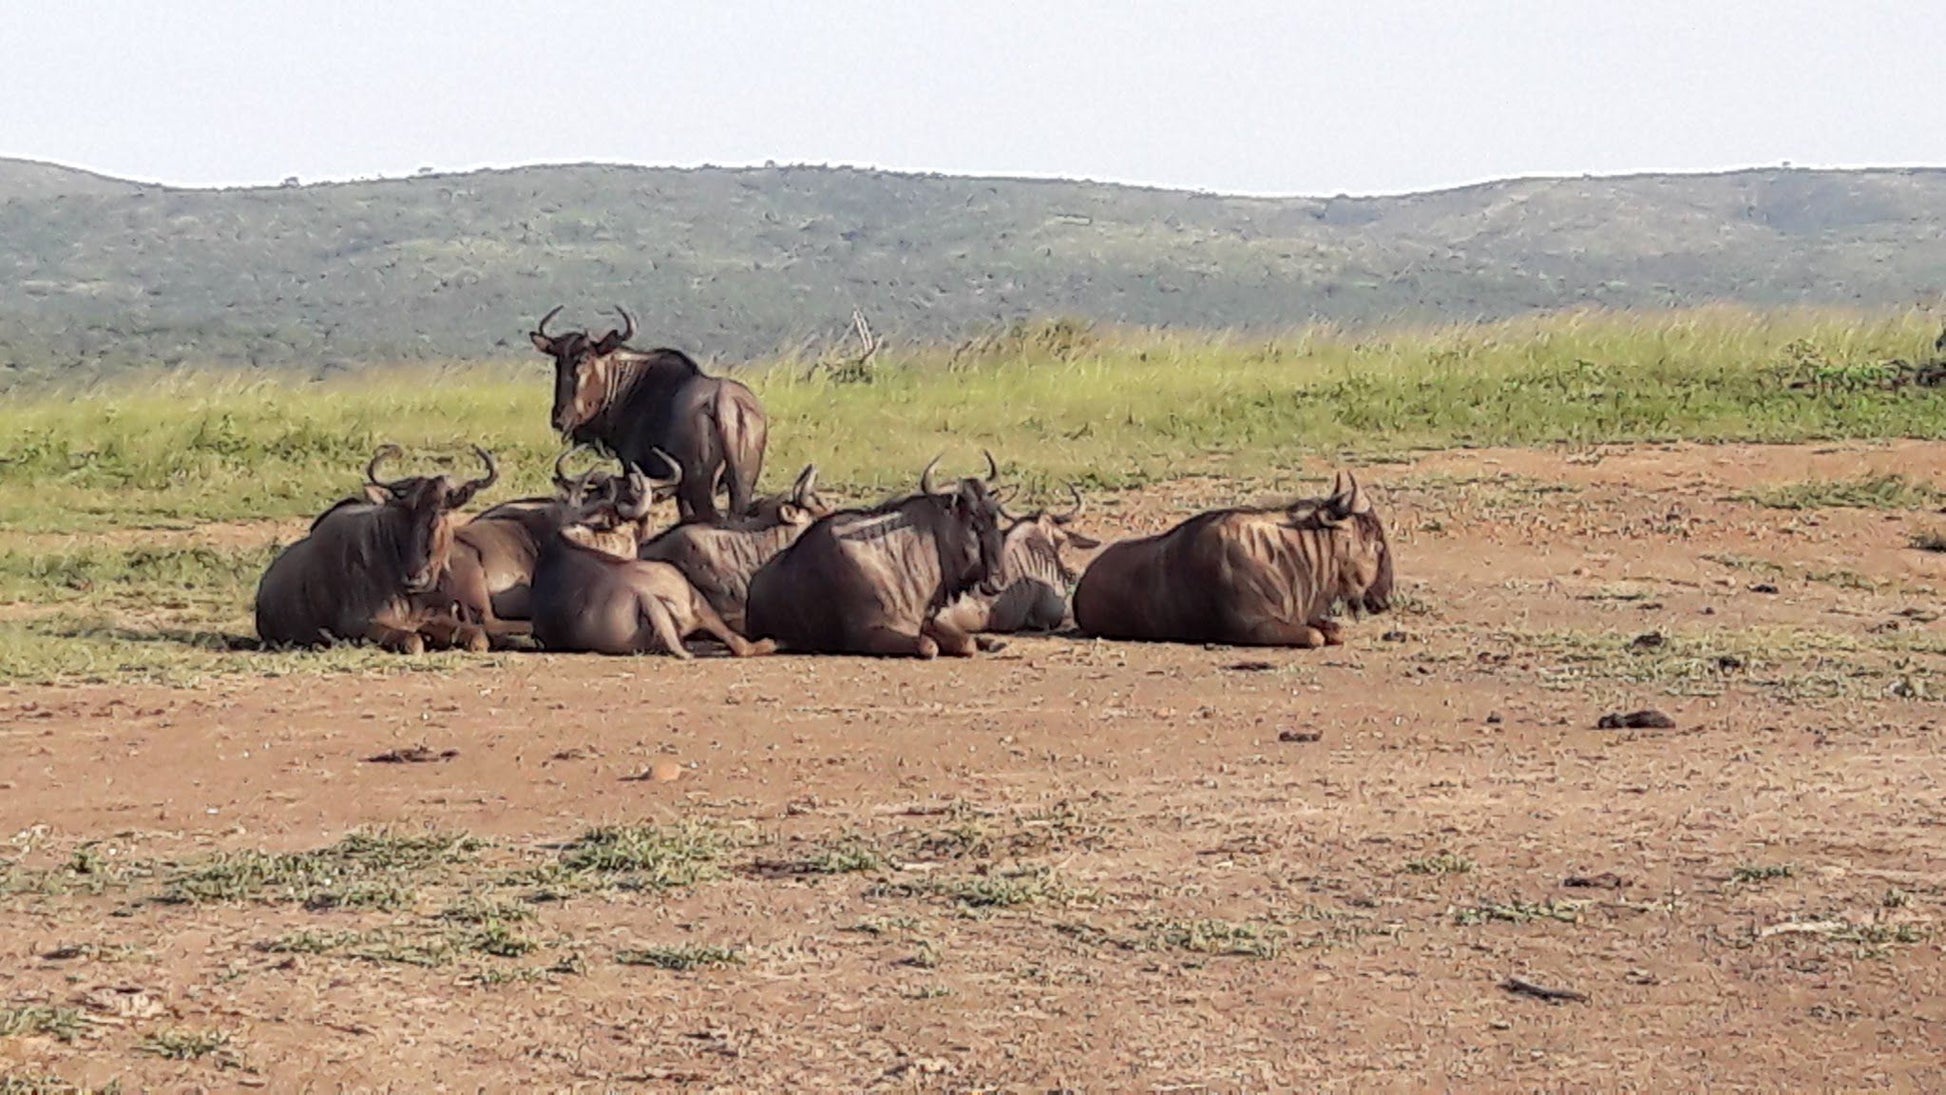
[
  {"x": 1364, "y": 554},
  {"x": 1042, "y": 536},
  {"x": 582, "y": 384},
  {"x": 426, "y": 505},
  {"x": 800, "y": 506},
  {"x": 975, "y": 558},
  {"x": 600, "y": 500}
]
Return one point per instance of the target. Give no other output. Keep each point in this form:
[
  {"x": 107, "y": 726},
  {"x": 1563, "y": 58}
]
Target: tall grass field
[{"x": 99, "y": 487}]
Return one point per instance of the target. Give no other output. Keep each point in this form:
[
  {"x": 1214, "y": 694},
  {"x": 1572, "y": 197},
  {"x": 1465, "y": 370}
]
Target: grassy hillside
[{"x": 736, "y": 264}]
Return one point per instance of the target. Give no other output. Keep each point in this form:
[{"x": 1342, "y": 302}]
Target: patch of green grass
[
  {"x": 687, "y": 956},
  {"x": 39, "y": 1020},
  {"x": 374, "y": 869},
  {"x": 1751, "y": 874},
  {"x": 1441, "y": 863},
  {"x": 475, "y": 909},
  {"x": 649, "y": 856},
  {"x": 1005, "y": 888},
  {"x": 190, "y": 1045},
  {"x": 1889, "y": 491},
  {"x": 1220, "y": 937},
  {"x": 52, "y": 1085},
  {"x": 426, "y": 949},
  {"x": 1518, "y": 912}
]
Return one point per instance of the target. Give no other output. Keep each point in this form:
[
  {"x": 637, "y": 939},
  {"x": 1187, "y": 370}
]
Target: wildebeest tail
[{"x": 741, "y": 433}]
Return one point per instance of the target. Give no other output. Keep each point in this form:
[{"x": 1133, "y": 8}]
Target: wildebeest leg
[
  {"x": 470, "y": 594},
  {"x": 1272, "y": 632},
  {"x": 1332, "y": 630},
  {"x": 397, "y": 640},
  {"x": 890, "y": 642},
  {"x": 952, "y": 641},
  {"x": 449, "y": 631},
  {"x": 658, "y": 621},
  {"x": 710, "y": 623}
]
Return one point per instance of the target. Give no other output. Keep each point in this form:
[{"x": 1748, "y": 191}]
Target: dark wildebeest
[
  {"x": 873, "y": 581},
  {"x": 632, "y": 402},
  {"x": 719, "y": 558},
  {"x": 372, "y": 568},
  {"x": 1247, "y": 577},
  {"x": 592, "y": 594},
  {"x": 491, "y": 572},
  {"x": 1034, "y": 579}
]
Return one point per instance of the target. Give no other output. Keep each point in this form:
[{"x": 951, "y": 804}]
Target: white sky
[{"x": 1232, "y": 95}]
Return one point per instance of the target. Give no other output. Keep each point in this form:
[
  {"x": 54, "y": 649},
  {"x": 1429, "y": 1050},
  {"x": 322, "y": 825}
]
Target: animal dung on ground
[
  {"x": 1300, "y": 736},
  {"x": 1652, "y": 640},
  {"x": 1606, "y": 880},
  {"x": 1764, "y": 587},
  {"x": 1646, "y": 719},
  {"x": 417, "y": 754},
  {"x": 1522, "y": 987}
]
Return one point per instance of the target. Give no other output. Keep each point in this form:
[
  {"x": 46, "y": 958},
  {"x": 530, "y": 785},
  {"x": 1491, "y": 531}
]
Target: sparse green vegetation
[
  {"x": 38, "y": 1020},
  {"x": 1001, "y": 888},
  {"x": 1890, "y": 491},
  {"x": 649, "y": 857},
  {"x": 1518, "y": 912},
  {"x": 374, "y": 869},
  {"x": 190, "y": 1045},
  {"x": 686, "y": 956},
  {"x": 1749, "y": 874},
  {"x": 1220, "y": 937},
  {"x": 1440, "y": 863}
]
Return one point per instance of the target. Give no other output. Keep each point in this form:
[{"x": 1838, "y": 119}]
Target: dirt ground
[{"x": 1069, "y": 865}]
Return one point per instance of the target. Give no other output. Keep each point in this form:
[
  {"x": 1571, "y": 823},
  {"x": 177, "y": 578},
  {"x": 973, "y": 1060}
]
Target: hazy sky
[{"x": 1232, "y": 95}]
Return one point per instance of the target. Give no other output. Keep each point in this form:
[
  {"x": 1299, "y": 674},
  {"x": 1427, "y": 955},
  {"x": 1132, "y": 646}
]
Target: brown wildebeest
[
  {"x": 718, "y": 559},
  {"x": 633, "y": 402},
  {"x": 873, "y": 581},
  {"x": 491, "y": 572},
  {"x": 1035, "y": 580},
  {"x": 1247, "y": 577},
  {"x": 592, "y": 594},
  {"x": 372, "y": 568}
]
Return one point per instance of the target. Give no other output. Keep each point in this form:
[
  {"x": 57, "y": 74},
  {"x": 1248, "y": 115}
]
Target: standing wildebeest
[
  {"x": 1248, "y": 577},
  {"x": 719, "y": 558},
  {"x": 591, "y": 593},
  {"x": 1034, "y": 579},
  {"x": 372, "y": 568},
  {"x": 873, "y": 581},
  {"x": 631, "y": 402},
  {"x": 491, "y": 571}
]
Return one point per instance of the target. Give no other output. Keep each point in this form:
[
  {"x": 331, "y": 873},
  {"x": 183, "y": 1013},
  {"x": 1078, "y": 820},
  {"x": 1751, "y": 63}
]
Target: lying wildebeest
[
  {"x": 372, "y": 568},
  {"x": 1257, "y": 577},
  {"x": 592, "y": 594},
  {"x": 1034, "y": 579},
  {"x": 632, "y": 402},
  {"x": 719, "y": 558},
  {"x": 873, "y": 581},
  {"x": 491, "y": 571}
]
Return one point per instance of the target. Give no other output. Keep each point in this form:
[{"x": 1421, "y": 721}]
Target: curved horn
[
  {"x": 807, "y": 482},
  {"x": 640, "y": 495},
  {"x": 675, "y": 469},
  {"x": 925, "y": 477},
  {"x": 576, "y": 490},
  {"x": 385, "y": 452},
  {"x": 993, "y": 469},
  {"x": 1080, "y": 506},
  {"x": 628, "y": 324},
  {"x": 492, "y": 475},
  {"x": 561, "y": 464},
  {"x": 1356, "y": 501},
  {"x": 542, "y": 329}
]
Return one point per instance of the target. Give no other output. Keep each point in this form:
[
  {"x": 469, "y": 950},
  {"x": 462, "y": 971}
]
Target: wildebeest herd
[{"x": 918, "y": 575}]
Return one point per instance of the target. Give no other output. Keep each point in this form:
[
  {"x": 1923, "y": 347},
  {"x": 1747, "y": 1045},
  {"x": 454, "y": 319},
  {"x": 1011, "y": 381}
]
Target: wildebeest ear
[
  {"x": 1085, "y": 543},
  {"x": 609, "y": 342},
  {"x": 542, "y": 343},
  {"x": 376, "y": 494}
]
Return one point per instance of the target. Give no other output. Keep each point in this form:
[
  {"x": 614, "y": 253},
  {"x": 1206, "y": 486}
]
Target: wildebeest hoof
[
  {"x": 758, "y": 648},
  {"x": 927, "y": 649},
  {"x": 988, "y": 644},
  {"x": 475, "y": 642},
  {"x": 413, "y": 645}
]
